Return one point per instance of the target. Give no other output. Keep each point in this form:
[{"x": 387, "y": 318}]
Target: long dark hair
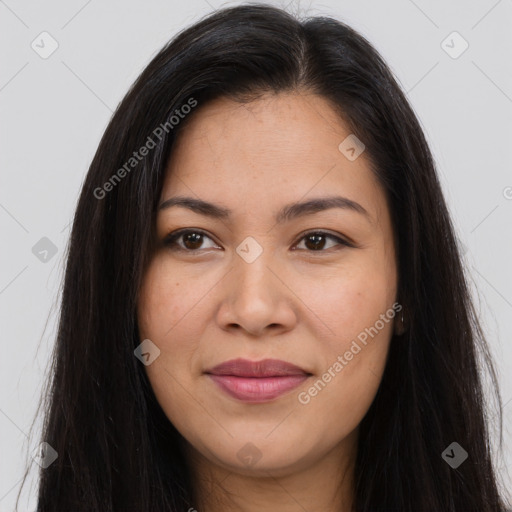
[{"x": 116, "y": 448}]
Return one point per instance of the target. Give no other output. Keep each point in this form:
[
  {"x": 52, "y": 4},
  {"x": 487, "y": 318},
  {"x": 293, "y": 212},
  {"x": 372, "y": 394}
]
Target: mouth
[{"x": 257, "y": 381}]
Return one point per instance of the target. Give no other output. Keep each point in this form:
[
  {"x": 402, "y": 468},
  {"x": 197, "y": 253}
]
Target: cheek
[
  {"x": 169, "y": 310},
  {"x": 352, "y": 299},
  {"x": 353, "y": 362},
  {"x": 360, "y": 318},
  {"x": 164, "y": 310},
  {"x": 356, "y": 306},
  {"x": 153, "y": 309},
  {"x": 169, "y": 299}
]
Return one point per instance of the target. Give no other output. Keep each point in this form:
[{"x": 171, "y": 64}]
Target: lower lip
[{"x": 257, "y": 389}]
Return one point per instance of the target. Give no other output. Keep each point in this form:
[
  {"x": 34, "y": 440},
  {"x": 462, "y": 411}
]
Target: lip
[{"x": 257, "y": 381}]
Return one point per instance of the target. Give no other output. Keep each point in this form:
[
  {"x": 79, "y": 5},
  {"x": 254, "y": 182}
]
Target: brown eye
[
  {"x": 191, "y": 240},
  {"x": 316, "y": 241}
]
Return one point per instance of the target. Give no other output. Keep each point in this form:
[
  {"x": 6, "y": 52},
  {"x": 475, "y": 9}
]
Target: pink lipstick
[{"x": 257, "y": 381}]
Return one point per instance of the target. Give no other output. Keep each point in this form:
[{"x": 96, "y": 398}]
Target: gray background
[{"x": 55, "y": 110}]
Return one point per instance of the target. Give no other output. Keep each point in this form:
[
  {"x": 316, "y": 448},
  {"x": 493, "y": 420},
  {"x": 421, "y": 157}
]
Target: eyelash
[{"x": 170, "y": 240}]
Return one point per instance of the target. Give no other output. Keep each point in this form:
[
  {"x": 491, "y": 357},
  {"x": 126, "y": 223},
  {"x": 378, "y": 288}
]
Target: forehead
[
  {"x": 292, "y": 125},
  {"x": 274, "y": 150}
]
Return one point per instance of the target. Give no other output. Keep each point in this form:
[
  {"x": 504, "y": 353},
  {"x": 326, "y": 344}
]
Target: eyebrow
[{"x": 286, "y": 214}]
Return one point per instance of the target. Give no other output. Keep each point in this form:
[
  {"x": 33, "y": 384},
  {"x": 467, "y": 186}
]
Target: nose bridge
[{"x": 252, "y": 275}]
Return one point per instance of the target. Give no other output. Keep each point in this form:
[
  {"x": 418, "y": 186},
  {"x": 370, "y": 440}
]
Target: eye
[
  {"x": 191, "y": 240},
  {"x": 315, "y": 241}
]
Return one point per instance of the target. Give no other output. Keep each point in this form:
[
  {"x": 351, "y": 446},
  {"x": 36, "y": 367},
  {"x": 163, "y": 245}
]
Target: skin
[{"x": 304, "y": 306}]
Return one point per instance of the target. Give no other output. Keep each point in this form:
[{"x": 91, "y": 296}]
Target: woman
[{"x": 264, "y": 306}]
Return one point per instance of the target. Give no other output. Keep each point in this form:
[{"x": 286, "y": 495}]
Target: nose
[{"x": 256, "y": 298}]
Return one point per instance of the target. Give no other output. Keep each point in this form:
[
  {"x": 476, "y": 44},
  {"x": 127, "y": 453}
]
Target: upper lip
[{"x": 264, "y": 368}]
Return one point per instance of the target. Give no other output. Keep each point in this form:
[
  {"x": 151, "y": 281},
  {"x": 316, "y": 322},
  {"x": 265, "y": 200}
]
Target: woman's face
[{"x": 310, "y": 286}]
